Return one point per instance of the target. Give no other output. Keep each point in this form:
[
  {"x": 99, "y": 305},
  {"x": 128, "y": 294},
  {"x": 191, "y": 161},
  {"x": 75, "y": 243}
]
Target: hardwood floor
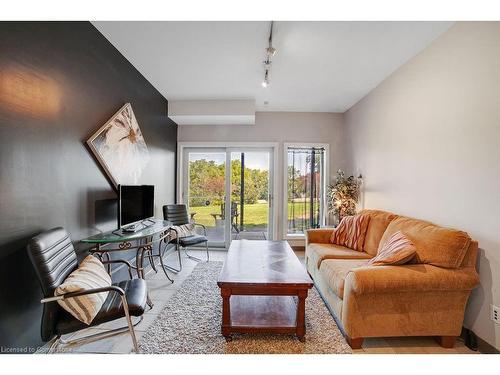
[{"x": 161, "y": 290}]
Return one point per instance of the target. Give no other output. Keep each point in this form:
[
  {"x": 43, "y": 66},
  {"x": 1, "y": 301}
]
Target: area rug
[{"x": 190, "y": 324}]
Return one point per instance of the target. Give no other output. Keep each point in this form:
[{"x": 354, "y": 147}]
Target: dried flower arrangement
[{"x": 343, "y": 195}]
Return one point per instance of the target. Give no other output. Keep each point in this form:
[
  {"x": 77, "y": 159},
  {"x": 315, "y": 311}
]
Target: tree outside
[
  {"x": 207, "y": 185},
  {"x": 207, "y": 192}
]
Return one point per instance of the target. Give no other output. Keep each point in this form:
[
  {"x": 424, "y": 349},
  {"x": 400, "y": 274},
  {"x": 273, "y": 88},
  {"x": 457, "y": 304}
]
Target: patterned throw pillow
[
  {"x": 351, "y": 232},
  {"x": 90, "y": 274},
  {"x": 185, "y": 230},
  {"x": 398, "y": 249}
]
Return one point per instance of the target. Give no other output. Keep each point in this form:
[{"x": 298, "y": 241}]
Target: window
[{"x": 305, "y": 178}]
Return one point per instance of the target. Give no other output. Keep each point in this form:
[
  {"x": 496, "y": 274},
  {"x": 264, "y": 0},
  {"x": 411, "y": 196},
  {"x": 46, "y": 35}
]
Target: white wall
[
  {"x": 427, "y": 141},
  {"x": 282, "y": 127}
]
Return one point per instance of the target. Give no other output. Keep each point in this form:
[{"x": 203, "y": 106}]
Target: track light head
[
  {"x": 271, "y": 51},
  {"x": 265, "y": 82}
]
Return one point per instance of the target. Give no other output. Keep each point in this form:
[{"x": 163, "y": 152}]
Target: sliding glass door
[
  {"x": 251, "y": 195},
  {"x": 205, "y": 191},
  {"x": 305, "y": 188},
  {"x": 229, "y": 190}
]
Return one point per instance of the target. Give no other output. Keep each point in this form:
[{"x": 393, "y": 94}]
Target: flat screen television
[{"x": 135, "y": 203}]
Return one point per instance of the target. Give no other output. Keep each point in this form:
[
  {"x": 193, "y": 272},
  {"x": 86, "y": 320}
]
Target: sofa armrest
[
  {"x": 321, "y": 235},
  {"x": 407, "y": 278}
]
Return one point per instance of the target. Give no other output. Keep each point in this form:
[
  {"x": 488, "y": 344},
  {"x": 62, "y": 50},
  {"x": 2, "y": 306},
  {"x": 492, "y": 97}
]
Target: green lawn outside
[{"x": 255, "y": 214}]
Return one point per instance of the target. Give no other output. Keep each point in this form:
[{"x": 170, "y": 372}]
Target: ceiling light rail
[{"x": 270, "y": 52}]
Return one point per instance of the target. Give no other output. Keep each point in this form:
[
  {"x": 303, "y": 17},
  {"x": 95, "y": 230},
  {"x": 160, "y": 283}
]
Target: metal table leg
[
  {"x": 139, "y": 260},
  {"x": 164, "y": 266}
]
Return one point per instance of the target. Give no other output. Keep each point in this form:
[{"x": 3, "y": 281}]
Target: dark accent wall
[{"x": 59, "y": 82}]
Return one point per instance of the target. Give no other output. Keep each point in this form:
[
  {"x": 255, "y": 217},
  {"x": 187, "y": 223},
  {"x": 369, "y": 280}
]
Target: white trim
[
  {"x": 326, "y": 179},
  {"x": 227, "y": 200},
  {"x": 228, "y": 145}
]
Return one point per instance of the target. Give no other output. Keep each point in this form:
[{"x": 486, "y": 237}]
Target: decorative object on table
[
  {"x": 120, "y": 147},
  {"x": 343, "y": 195}
]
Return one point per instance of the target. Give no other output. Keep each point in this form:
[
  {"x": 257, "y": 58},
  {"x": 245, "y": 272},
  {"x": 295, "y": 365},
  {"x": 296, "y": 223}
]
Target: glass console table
[{"x": 142, "y": 240}]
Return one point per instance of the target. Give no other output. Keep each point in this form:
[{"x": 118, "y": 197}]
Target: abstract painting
[{"x": 120, "y": 147}]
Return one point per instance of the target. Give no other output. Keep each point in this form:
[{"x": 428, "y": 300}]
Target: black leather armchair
[
  {"x": 178, "y": 215},
  {"x": 54, "y": 258}
]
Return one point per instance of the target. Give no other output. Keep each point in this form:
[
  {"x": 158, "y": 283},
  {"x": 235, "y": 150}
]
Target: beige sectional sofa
[{"x": 424, "y": 298}]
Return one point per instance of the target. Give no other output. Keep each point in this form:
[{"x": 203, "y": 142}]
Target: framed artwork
[{"x": 120, "y": 147}]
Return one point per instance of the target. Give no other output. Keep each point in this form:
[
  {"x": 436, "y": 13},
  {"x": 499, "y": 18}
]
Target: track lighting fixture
[{"x": 270, "y": 52}]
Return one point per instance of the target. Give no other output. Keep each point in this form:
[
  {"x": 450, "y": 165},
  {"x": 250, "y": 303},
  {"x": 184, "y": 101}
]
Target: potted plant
[{"x": 343, "y": 195}]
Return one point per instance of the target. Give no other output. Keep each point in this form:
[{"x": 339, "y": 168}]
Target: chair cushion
[
  {"x": 192, "y": 240},
  {"x": 379, "y": 220},
  {"x": 334, "y": 272},
  {"x": 351, "y": 232},
  {"x": 112, "y": 308},
  {"x": 90, "y": 274},
  {"x": 397, "y": 250},
  {"x": 442, "y": 247},
  {"x": 317, "y": 252}
]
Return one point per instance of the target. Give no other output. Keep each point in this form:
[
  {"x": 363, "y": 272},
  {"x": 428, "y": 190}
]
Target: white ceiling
[{"x": 319, "y": 66}]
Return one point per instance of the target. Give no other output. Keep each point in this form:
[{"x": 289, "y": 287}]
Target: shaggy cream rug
[{"x": 190, "y": 323}]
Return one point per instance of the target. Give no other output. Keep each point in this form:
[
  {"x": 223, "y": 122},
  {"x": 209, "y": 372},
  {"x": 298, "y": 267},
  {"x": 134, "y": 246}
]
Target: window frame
[{"x": 326, "y": 179}]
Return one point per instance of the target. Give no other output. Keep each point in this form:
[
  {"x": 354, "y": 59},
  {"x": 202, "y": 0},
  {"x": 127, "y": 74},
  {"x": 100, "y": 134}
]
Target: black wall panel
[{"x": 59, "y": 82}]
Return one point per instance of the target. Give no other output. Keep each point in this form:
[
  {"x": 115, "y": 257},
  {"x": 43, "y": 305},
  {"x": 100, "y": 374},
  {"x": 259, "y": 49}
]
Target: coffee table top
[{"x": 263, "y": 263}]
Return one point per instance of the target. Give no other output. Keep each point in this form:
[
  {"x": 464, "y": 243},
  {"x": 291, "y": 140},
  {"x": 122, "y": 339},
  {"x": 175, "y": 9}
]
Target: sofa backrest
[
  {"x": 439, "y": 246},
  {"x": 379, "y": 220}
]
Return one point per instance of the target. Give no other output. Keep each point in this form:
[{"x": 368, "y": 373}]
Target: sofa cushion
[
  {"x": 334, "y": 272},
  {"x": 435, "y": 245},
  {"x": 317, "y": 252},
  {"x": 192, "y": 240},
  {"x": 397, "y": 250},
  {"x": 379, "y": 220},
  {"x": 351, "y": 232}
]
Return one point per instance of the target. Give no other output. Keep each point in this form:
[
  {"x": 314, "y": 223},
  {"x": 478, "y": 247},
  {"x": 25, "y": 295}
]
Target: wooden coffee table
[{"x": 258, "y": 283}]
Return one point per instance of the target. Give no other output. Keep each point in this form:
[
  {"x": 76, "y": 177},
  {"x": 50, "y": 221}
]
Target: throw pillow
[
  {"x": 351, "y": 232},
  {"x": 90, "y": 274},
  {"x": 398, "y": 249}
]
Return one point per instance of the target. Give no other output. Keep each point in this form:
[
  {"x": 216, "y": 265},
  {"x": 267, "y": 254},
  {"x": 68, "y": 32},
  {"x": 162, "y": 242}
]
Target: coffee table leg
[
  {"x": 226, "y": 313},
  {"x": 301, "y": 315}
]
